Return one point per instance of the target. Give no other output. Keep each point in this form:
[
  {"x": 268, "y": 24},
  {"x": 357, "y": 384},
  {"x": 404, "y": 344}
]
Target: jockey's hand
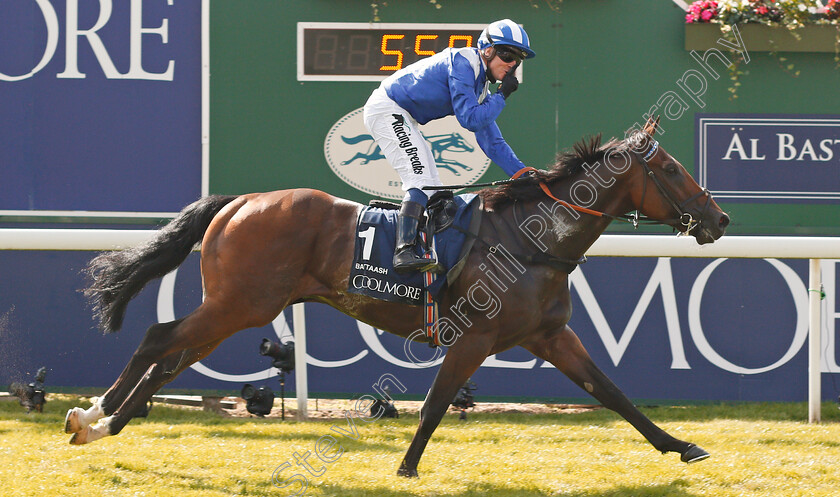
[
  {"x": 529, "y": 174},
  {"x": 509, "y": 84}
]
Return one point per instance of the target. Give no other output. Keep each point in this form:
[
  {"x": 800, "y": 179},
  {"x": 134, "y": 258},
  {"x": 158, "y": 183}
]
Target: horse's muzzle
[{"x": 711, "y": 227}]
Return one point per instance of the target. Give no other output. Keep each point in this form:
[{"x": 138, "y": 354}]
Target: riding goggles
[{"x": 509, "y": 54}]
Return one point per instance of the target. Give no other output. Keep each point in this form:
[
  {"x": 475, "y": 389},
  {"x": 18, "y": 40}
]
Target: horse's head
[
  {"x": 459, "y": 144},
  {"x": 666, "y": 191},
  {"x": 652, "y": 182}
]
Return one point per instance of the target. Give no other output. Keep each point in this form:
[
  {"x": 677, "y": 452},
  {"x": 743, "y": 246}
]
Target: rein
[
  {"x": 634, "y": 220},
  {"x": 685, "y": 218},
  {"x": 568, "y": 265}
]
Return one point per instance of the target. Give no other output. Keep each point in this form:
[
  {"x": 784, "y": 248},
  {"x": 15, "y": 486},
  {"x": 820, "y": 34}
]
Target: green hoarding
[{"x": 600, "y": 68}]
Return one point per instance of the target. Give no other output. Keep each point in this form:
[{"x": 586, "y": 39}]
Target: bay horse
[{"x": 261, "y": 252}]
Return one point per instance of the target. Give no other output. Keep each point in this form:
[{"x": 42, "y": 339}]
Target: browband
[{"x": 652, "y": 150}]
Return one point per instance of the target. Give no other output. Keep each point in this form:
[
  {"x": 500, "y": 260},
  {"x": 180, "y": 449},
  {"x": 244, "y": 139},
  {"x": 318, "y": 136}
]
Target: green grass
[{"x": 757, "y": 450}]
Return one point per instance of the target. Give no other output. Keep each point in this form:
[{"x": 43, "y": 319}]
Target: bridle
[{"x": 685, "y": 219}]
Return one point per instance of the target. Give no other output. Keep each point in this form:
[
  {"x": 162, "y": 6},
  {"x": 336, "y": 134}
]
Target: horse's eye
[{"x": 671, "y": 170}]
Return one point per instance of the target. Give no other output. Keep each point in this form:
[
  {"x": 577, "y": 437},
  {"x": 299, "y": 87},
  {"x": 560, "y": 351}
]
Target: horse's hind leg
[
  {"x": 165, "y": 351},
  {"x": 154, "y": 378},
  {"x": 461, "y": 361},
  {"x": 563, "y": 349},
  {"x": 77, "y": 419}
]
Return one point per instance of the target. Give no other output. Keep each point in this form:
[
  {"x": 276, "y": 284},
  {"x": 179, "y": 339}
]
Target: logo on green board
[{"x": 354, "y": 156}]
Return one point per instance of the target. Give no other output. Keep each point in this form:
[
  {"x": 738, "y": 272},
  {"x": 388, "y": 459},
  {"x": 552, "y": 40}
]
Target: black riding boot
[{"x": 406, "y": 259}]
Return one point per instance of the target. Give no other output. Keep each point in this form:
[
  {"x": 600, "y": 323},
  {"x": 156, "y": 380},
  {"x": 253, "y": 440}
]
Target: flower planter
[{"x": 762, "y": 38}]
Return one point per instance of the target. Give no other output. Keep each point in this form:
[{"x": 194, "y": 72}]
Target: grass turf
[{"x": 758, "y": 449}]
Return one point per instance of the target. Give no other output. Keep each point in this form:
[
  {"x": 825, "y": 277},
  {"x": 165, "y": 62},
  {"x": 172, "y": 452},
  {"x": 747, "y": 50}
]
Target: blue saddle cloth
[{"x": 372, "y": 272}]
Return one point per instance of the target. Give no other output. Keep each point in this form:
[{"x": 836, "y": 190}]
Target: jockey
[{"x": 455, "y": 82}]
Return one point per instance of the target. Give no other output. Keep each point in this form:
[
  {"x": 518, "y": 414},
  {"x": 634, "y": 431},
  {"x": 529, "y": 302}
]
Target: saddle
[
  {"x": 453, "y": 221},
  {"x": 440, "y": 211},
  {"x": 371, "y": 272}
]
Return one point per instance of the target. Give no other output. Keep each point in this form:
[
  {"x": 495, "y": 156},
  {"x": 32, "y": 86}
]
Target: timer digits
[{"x": 371, "y": 52}]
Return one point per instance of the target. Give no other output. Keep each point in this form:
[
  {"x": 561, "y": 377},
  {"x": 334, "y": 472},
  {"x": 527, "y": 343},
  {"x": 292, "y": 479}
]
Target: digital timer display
[{"x": 371, "y": 52}]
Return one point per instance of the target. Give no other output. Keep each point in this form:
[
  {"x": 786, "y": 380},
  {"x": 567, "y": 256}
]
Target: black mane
[{"x": 568, "y": 163}]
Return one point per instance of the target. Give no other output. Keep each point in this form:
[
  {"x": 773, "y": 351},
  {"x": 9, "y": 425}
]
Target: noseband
[{"x": 685, "y": 218}]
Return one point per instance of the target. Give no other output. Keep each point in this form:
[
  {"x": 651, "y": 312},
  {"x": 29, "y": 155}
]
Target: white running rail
[{"x": 783, "y": 247}]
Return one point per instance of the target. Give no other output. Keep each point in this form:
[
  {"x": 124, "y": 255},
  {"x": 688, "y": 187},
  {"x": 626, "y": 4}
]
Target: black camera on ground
[
  {"x": 283, "y": 354},
  {"x": 386, "y": 408},
  {"x": 464, "y": 398},
  {"x": 31, "y": 396},
  {"x": 258, "y": 401},
  {"x": 143, "y": 411}
]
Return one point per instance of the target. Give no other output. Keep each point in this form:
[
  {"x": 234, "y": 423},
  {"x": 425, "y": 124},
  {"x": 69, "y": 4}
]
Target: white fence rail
[
  {"x": 813, "y": 248},
  {"x": 754, "y": 247}
]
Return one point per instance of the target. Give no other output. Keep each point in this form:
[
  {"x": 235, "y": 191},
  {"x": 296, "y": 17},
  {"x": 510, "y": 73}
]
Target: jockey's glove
[
  {"x": 531, "y": 173},
  {"x": 509, "y": 85}
]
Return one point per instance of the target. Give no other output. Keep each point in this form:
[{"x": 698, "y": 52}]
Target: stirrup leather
[{"x": 405, "y": 258}]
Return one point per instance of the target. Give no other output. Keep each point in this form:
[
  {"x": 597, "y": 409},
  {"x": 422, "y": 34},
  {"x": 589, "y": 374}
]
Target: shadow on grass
[
  {"x": 743, "y": 411},
  {"x": 221, "y": 427},
  {"x": 675, "y": 489},
  {"x": 123, "y": 475},
  {"x": 399, "y": 444}
]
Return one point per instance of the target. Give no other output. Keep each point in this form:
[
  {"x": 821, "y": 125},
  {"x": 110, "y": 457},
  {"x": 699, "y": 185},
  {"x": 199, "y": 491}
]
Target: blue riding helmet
[{"x": 506, "y": 32}]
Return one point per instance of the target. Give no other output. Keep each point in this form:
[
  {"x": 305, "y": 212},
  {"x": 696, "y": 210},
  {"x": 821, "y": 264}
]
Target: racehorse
[{"x": 264, "y": 251}]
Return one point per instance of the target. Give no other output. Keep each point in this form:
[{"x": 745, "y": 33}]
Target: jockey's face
[{"x": 497, "y": 65}]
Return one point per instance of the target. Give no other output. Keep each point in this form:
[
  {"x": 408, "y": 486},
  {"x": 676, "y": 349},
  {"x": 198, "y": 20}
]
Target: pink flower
[
  {"x": 701, "y": 11},
  {"x": 832, "y": 9}
]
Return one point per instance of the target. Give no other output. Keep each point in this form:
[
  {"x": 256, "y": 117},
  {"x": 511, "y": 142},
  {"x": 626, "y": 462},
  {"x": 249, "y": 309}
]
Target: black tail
[{"x": 119, "y": 276}]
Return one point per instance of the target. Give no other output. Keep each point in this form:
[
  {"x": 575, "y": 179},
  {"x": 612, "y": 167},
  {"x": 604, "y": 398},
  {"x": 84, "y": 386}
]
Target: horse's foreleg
[
  {"x": 461, "y": 361},
  {"x": 564, "y": 350}
]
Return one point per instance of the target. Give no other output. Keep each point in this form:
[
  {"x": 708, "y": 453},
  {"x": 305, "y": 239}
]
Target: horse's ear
[{"x": 651, "y": 125}]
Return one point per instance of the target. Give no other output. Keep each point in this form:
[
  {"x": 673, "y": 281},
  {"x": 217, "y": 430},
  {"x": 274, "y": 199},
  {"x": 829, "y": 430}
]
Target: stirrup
[{"x": 406, "y": 261}]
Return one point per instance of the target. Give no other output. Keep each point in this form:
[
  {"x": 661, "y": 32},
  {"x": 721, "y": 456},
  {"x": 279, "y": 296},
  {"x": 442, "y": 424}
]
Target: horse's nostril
[{"x": 724, "y": 221}]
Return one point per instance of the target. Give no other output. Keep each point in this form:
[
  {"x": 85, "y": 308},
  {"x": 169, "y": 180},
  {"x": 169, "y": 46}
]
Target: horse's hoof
[
  {"x": 72, "y": 423},
  {"x": 78, "y": 439},
  {"x": 92, "y": 433},
  {"x": 694, "y": 454},
  {"x": 408, "y": 473}
]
